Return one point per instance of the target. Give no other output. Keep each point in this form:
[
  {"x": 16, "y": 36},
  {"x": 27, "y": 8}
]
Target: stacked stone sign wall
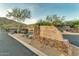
[{"x": 50, "y": 36}]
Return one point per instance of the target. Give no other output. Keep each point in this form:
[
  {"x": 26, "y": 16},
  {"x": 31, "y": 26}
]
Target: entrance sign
[{"x": 50, "y": 32}]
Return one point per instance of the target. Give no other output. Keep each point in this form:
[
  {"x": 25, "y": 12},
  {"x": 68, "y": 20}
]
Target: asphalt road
[
  {"x": 73, "y": 39},
  {"x": 11, "y": 47}
]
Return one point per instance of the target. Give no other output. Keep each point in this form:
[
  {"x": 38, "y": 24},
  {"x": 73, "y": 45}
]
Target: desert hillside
[{"x": 4, "y": 22}]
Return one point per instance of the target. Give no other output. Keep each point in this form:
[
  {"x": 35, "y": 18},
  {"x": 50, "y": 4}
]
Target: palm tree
[{"x": 19, "y": 15}]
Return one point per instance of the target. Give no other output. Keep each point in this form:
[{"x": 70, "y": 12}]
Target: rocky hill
[{"x": 8, "y": 23}]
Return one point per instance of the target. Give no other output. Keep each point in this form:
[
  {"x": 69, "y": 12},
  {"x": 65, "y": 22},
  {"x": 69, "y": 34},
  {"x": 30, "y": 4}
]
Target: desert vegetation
[{"x": 19, "y": 15}]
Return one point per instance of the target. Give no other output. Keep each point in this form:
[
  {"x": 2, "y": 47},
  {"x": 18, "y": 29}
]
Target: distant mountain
[
  {"x": 4, "y": 20},
  {"x": 10, "y": 23}
]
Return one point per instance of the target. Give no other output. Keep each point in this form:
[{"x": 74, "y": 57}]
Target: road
[
  {"x": 11, "y": 47},
  {"x": 73, "y": 39}
]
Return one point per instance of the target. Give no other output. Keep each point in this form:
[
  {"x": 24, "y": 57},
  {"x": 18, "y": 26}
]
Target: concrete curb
[
  {"x": 74, "y": 46},
  {"x": 29, "y": 46},
  {"x": 70, "y": 33}
]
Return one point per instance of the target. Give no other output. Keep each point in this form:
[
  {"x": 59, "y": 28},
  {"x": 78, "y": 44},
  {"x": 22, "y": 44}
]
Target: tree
[
  {"x": 75, "y": 24},
  {"x": 49, "y": 19},
  {"x": 42, "y": 22},
  {"x": 19, "y": 15},
  {"x": 55, "y": 20},
  {"x": 52, "y": 20}
]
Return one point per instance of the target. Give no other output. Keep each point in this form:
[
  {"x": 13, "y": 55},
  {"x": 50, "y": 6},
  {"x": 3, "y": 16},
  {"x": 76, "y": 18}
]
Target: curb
[
  {"x": 36, "y": 51},
  {"x": 75, "y": 46},
  {"x": 70, "y": 33}
]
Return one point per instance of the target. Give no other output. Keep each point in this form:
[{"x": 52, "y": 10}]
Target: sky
[{"x": 41, "y": 10}]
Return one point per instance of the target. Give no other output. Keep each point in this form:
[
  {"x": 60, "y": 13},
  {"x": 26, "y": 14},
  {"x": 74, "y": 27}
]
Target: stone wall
[
  {"x": 50, "y": 32},
  {"x": 50, "y": 36}
]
